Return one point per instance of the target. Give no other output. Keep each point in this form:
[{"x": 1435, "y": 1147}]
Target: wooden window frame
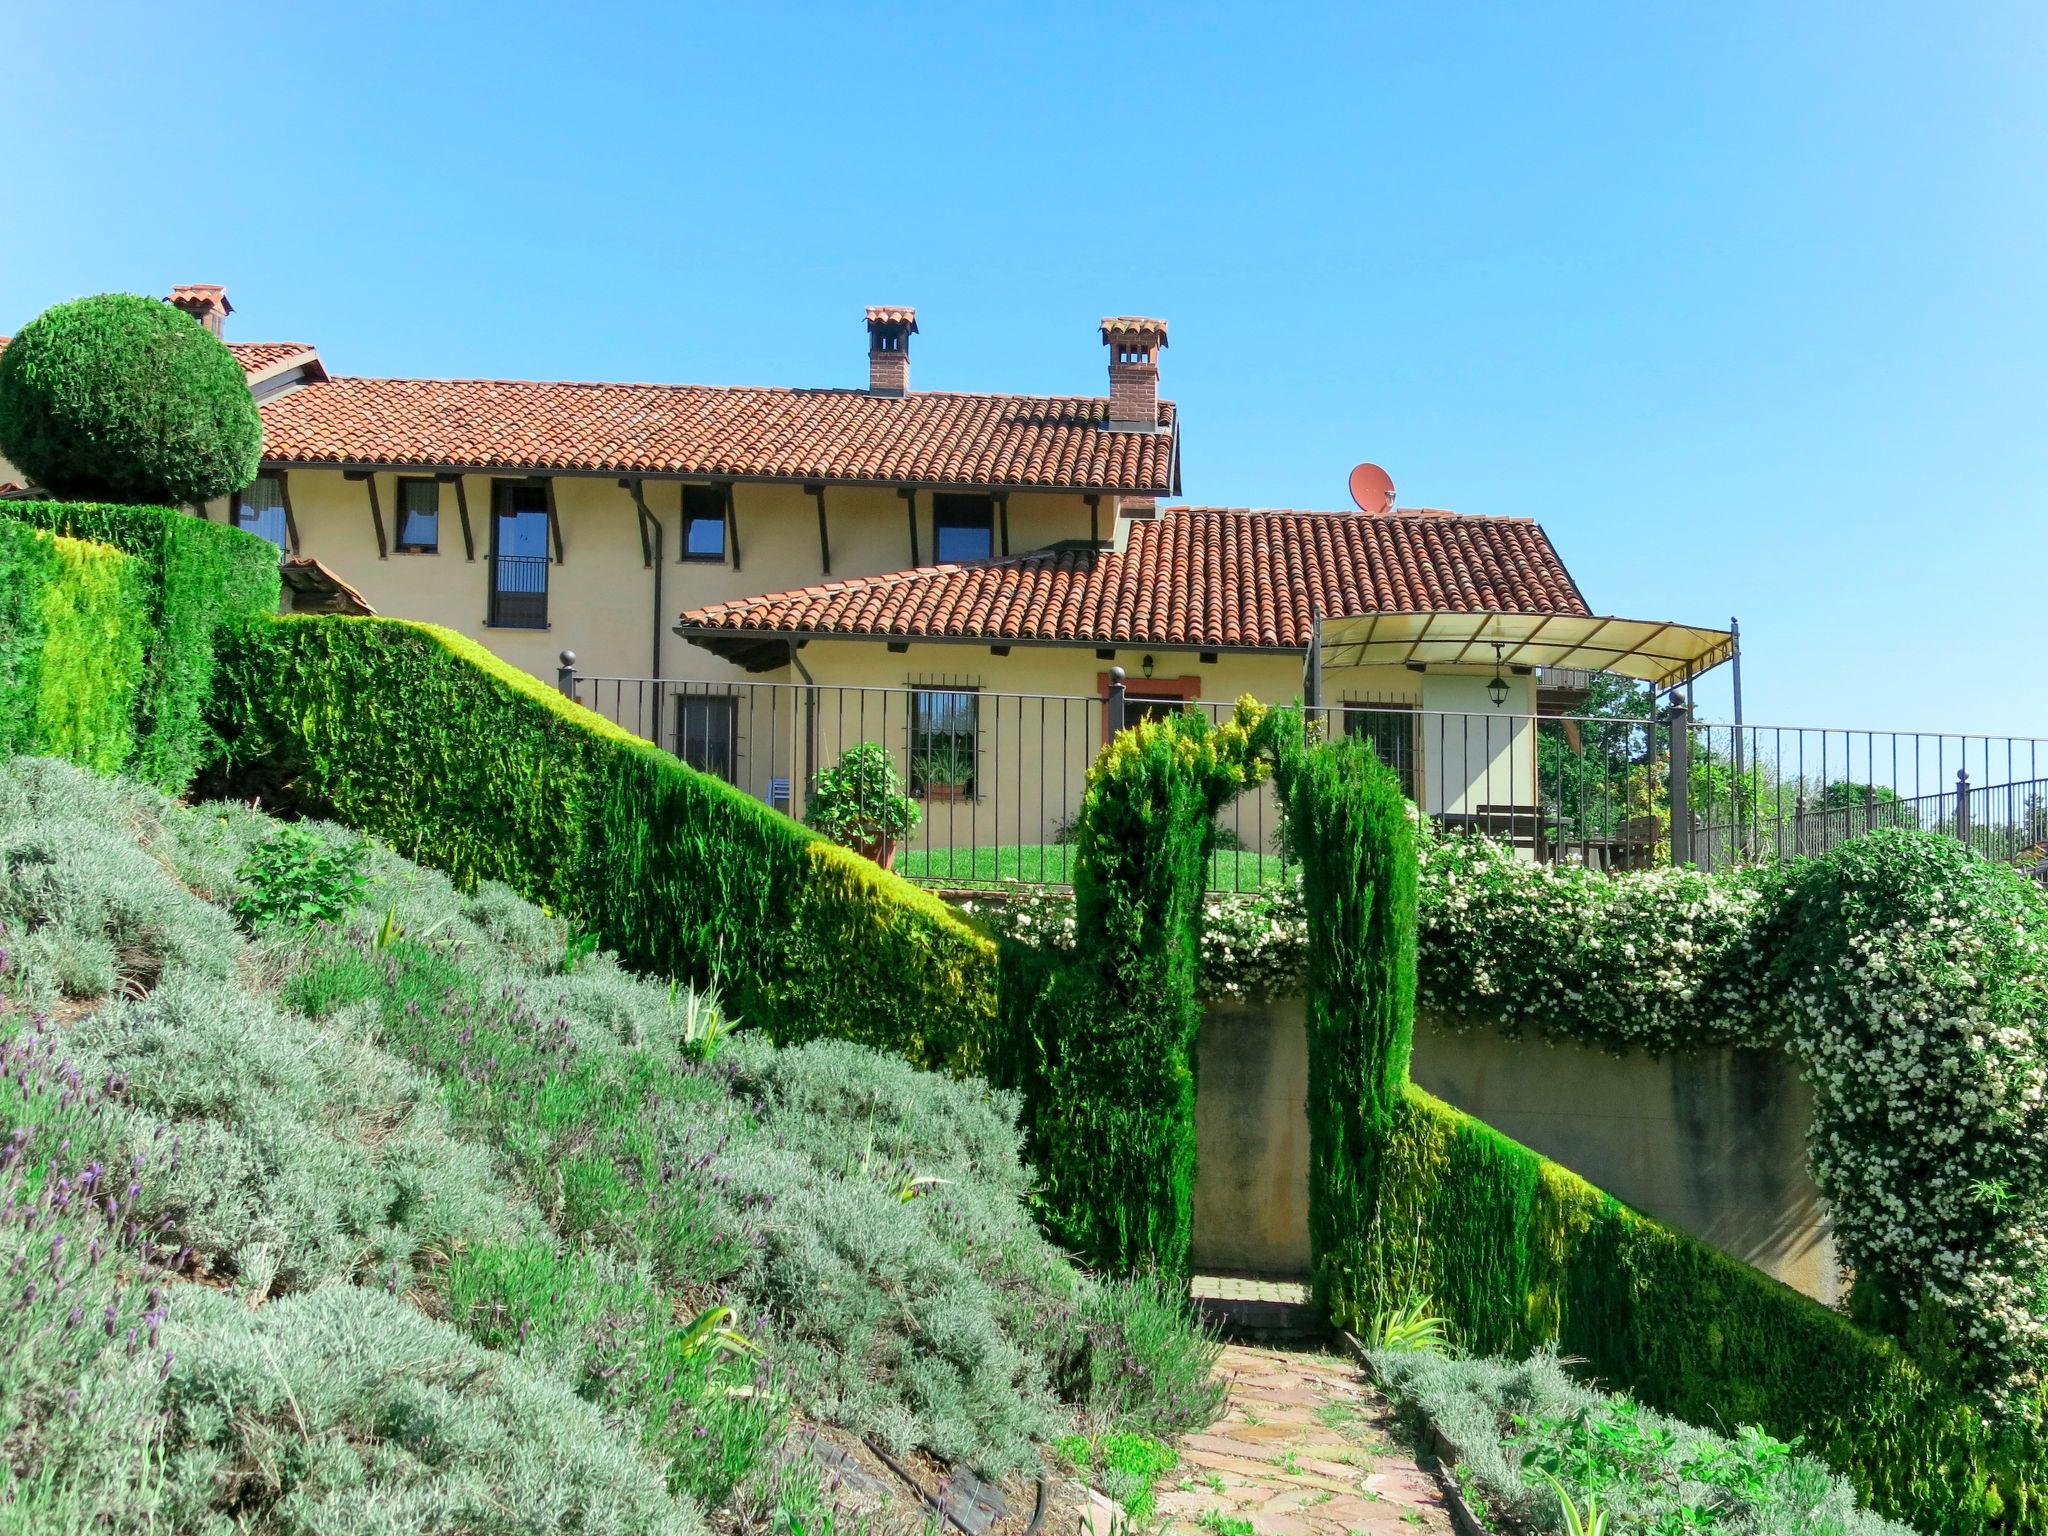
[
  {"x": 1149, "y": 690},
  {"x": 715, "y": 508},
  {"x": 952, "y": 509},
  {"x": 971, "y": 790},
  {"x": 400, "y": 545},
  {"x": 503, "y": 495}
]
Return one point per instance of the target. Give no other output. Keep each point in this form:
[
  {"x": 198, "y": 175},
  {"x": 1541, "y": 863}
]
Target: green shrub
[
  {"x": 428, "y": 741},
  {"x": 28, "y": 566},
  {"x": 92, "y": 656},
  {"x": 1352, "y": 832},
  {"x": 1519, "y": 1425},
  {"x": 125, "y": 399},
  {"x": 859, "y": 802},
  {"x": 297, "y": 881},
  {"x": 1102, "y": 1040},
  {"x": 197, "y": 580},
  {"x": 73, "y": 619},
  {"x": 1519, "y": 1253}
]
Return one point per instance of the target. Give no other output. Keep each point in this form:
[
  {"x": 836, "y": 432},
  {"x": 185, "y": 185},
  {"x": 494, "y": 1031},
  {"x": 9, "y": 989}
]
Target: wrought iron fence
[{"x": 997, "y": 777}]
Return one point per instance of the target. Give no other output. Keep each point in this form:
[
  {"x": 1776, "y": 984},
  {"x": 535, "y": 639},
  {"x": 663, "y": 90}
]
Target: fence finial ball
[
  {"x": 568, "y": 658},
  {"x": 1116, "y": 674}
]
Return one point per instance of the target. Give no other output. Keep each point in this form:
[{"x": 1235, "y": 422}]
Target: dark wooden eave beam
[
  {"x": 1094, "y": 519},
  {"x": 369, "y": 478},
  {"x": 1003, "y": 517},
  {"x": 909, "y": 495},
  {"x": 637, "y": 488},
  {"x": 817, "y": 492},
  {"x": 732, "y": 525},
  {"x": 291, "y": 523},
  {"x": 462, "y": 511},
  {"x": 554, "y": 518}
]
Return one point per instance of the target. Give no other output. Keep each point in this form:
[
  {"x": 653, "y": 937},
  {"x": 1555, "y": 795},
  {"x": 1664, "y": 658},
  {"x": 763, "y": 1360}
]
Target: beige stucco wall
[
  {"x": 601, "y": 597},
  {"x": 1712, "y": 1142}
]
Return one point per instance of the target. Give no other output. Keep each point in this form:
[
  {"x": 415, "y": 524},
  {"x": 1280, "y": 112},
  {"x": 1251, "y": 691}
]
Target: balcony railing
[
  {"x": 519, "y": 592},
  {"x": 998, "y": 777}
]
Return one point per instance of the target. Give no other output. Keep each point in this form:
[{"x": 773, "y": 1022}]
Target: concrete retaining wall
[{"x": 1713, "y": 1142}]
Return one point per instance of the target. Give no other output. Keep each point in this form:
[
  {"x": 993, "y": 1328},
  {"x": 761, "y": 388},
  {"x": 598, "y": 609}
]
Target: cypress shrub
[
  {"x": 1108, "y": 1071},
  {"x": 1349, "y": 824},
  {"x": 431, "y": 743},
  {"x": 195, "y": 578},
  {"x": 28, "y": 564},
  {"x": 93, "y": 625},
  {"x": 125, "y": 399},
  {"x": 72, "y": 627}
]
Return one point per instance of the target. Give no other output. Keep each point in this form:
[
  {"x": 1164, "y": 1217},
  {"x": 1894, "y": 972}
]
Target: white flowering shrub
[{"x": 1912, "y": 979}]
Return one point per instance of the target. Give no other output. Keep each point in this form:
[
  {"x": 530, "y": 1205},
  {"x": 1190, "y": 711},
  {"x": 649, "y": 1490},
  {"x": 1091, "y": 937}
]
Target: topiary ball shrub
[{"x": 121, "y": 398}]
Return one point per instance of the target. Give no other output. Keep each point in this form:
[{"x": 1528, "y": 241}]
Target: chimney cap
[
  {"x": 892, "y": 314},
  {"x": 199, "y": 297},
  {"x": 1142, "y": 329}
]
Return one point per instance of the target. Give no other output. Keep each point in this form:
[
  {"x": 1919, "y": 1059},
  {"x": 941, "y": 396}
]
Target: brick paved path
[{"x": 1306, "y": 1447}]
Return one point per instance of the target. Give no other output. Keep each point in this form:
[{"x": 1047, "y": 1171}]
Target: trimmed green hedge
[
  {"x": 72, "y": 628},
  {"x": 1103, "y": 1038},
  {"x": 1516, "y": 1251},
  {"x": 121, "y": 398},
  {"x": 1348, "y": 822},
  {"x": 195, "y": 578},
  {"x": 456, "y": 758}
]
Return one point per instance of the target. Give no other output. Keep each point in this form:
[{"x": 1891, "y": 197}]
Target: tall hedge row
[
  {"x": 72, "y": 635},
  {"x": 1516, "y": 1252},
  {"x": 195, "y": 579},
  {"x": 455, "y": 758}
]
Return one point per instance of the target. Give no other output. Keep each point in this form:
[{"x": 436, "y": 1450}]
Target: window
[
  {"x": 519, "y": 556},
  {"x": 419, "y": 517},
  {"x": 1391, "y": 730},
  {"x": 704, "y": 524},
  {"x": 259, "y": 509},
  {"x": 707, "y": 733},
  {"x": 945, "y": 735},
  {"x": 963, "y": 528}
]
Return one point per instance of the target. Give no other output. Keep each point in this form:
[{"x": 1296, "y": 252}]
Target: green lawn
[{"x": 1052, "y": 864}]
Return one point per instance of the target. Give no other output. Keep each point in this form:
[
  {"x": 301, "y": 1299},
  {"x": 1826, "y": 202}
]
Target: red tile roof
[
  {"x": 771, "y": 434},
  {"x": 1200, "y": 577}
]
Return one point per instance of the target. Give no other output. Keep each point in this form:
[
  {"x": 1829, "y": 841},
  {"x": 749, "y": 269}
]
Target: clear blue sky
[{"x": 1744, "y": 302}]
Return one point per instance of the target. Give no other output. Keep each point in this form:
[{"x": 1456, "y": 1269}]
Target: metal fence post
[
  {"x": 565, "y": 674},
  {"x": 1680, "y": 718},
  {"x": 1963, "y": 804},
  {"x": 1116, "y": 700}
]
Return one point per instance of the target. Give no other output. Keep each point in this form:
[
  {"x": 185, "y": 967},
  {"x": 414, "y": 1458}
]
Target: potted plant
[
  {"x": 943, "y": 772},
  {"x": 859, "y": 802}
]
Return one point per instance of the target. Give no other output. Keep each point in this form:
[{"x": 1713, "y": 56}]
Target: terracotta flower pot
[{"x": 881, "y": 849}]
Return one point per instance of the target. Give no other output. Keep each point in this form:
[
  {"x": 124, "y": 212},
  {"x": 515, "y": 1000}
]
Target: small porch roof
[{"x": 1662, "y": 654}]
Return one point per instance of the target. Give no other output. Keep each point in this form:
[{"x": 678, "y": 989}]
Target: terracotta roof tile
[
  {"x": 778, "y": 434},
  {"x": 1197, "y": 577}
]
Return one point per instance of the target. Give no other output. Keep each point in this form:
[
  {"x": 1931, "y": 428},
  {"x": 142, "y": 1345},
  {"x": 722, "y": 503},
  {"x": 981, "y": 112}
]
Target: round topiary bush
[{"x": 122, "y": 398}]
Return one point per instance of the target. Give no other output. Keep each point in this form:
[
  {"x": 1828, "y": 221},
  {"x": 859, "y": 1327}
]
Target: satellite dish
[{"x": 1372, "y": 488}]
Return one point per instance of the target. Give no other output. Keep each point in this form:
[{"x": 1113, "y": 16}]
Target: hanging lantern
[{"x": 1497, "y": 690}]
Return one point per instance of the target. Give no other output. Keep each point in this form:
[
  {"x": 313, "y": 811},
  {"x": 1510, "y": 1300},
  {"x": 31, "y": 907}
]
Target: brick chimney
[
  {"x": 890, "y": 327},
  {"x": 1134, "y": 342},
  {"x": 205, "y": 302}
]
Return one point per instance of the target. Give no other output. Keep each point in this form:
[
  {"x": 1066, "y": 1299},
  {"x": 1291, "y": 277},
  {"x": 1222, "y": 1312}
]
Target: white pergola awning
[{"x": 1664, "y": 655}]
